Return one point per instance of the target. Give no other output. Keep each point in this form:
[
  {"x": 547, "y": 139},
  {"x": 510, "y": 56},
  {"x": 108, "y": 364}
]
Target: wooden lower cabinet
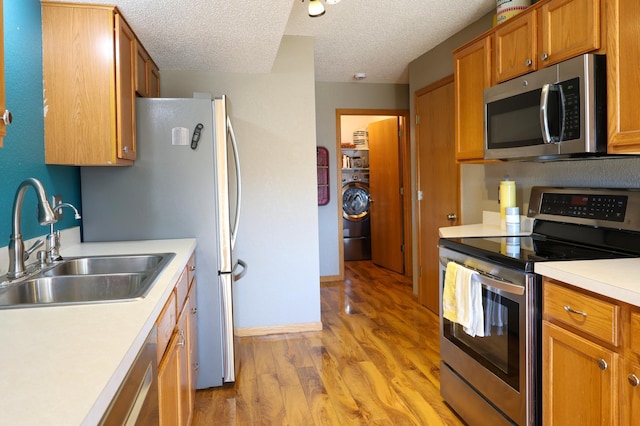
[
  {"x": 579, "y": 379},
  {"x": 177, "y": 376},
  {"x": 591, "y": 358},
  {"x": 168, "y": 386}
]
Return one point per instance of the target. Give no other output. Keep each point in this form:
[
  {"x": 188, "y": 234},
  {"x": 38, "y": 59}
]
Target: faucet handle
[{"x": 31, "y": 249}]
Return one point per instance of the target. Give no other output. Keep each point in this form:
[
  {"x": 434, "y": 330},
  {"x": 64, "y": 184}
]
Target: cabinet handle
[
  {"x": 125, "y": 149},
  {"x": 192, "y": 268},
  {"x": 633, "y": 380},
  {"x": 544, "y": 56},
  {"x": 452, "y": 216},
  {"x": 7, "y": 117},
  {"x": 573, "y": 311},
  {"x": 528, "y": 62},
  {"x": 194, "y": 311},
  {"x": 602, "y": 364},
  {"x": 182, "y": 340}
]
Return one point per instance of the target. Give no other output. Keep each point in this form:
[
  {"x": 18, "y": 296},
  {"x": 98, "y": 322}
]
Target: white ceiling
[{"x": 377, "y": 37}]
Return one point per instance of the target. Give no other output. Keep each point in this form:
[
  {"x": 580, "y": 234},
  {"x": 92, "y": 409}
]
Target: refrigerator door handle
[
  {"x": 236, "y": 158},
  {"x": 243, "y": 264}
]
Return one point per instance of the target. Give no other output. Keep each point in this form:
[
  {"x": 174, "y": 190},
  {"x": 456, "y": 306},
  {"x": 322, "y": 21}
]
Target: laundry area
[{"x": 357, "y": 200}]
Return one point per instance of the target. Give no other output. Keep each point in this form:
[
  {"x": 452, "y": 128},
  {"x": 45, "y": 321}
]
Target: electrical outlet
[{"x": 55, "y": 200}]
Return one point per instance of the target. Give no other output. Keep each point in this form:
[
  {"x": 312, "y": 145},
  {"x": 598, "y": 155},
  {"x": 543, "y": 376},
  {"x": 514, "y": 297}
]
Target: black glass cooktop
[
  {"x": 523, "y": 252},
  {"x": 550, "y": 241}
]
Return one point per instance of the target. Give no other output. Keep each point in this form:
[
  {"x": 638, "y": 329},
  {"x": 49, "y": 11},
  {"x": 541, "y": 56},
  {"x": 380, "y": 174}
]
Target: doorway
[{"x": 373, "y": 146}]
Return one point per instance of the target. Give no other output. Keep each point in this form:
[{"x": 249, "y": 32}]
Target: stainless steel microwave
[{"x": 558, "y": 111}]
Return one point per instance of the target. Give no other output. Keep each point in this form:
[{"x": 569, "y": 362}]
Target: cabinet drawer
[
  {"x": 182, "y": 288},
  {"x": 166, "y": 324},
  {"x": 586, "y": 313}
]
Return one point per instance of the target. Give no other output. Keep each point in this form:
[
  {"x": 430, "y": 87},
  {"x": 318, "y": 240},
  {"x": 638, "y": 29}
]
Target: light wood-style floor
[{"x": 375, "y": 362}]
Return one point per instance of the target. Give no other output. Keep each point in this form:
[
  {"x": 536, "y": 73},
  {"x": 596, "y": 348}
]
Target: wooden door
[
  {"x": 438, "y": 181},
  {"x": 578, "y": 380},
  {"x": 385, "y": 185}
]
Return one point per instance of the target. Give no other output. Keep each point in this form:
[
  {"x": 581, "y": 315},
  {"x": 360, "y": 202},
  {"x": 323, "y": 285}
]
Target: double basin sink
[{"x": 91, "y": 279}]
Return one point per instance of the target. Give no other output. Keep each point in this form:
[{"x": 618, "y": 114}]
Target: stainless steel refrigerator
[{"x": 184, "y": 183}]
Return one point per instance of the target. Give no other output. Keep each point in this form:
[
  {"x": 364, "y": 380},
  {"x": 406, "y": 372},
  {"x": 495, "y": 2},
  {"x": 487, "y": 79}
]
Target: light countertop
[
  {"x": 62, "y": 365},
  {"x": 615, "y": 278},
  {"x": 490, "y": 227}
]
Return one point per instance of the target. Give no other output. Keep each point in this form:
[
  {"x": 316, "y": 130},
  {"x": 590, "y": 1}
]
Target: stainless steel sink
[
  {"x": 106, "y": 265},
  {"x": 93, "y": 279}
]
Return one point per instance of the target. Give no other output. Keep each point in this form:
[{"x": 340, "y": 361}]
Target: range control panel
[{"x": 588, "y": 206}]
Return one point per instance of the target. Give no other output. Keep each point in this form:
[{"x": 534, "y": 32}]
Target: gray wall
[
  {"x": 274, "y": 121},
  {"x": 329, "y": 97}
]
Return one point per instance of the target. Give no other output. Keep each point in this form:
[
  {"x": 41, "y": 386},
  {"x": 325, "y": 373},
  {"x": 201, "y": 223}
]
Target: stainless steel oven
[
  {"x": 501, "y": 365},
  {"x": 496, "y": 379}
]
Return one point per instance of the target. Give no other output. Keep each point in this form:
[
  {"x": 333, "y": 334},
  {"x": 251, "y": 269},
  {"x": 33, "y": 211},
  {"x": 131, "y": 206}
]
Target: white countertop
[
  {"x": 490, "y": 227},
  {"x": 615, "y": 278},
  {"x": 62, "y": 365}
]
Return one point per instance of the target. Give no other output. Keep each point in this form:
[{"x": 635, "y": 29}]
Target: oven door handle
[{"x": 490, "y": 281}]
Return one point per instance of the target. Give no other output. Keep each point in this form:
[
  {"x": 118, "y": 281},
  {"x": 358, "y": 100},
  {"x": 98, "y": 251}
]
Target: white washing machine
[{"x": 355, "y": 215}]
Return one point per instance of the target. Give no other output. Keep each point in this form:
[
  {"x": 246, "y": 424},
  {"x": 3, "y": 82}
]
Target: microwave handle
[{"x": 544, "y": 113}]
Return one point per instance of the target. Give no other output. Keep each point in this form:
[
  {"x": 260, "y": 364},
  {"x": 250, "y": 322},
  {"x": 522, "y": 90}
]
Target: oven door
[{"x": 498, "y": 366}]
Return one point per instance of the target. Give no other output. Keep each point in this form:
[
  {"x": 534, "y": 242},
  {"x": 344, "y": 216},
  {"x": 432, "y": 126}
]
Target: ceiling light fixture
[{"x": 316, "y": 8}]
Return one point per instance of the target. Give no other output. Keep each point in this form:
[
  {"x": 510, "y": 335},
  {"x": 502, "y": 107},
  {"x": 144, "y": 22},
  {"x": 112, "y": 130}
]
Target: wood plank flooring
[{"x": 376, "y": 362}]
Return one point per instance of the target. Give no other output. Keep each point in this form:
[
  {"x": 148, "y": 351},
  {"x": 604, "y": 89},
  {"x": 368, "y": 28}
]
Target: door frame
[{"x": 405, "y": 165}]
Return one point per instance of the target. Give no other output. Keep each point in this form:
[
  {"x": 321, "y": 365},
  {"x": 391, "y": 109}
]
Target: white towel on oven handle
[
  {"x": 469, "y": 298},
  {"x": 463, "y": 303}
]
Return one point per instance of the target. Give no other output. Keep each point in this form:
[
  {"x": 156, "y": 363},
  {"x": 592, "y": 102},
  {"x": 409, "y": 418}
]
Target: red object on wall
[{"x": 322, "y": 155}]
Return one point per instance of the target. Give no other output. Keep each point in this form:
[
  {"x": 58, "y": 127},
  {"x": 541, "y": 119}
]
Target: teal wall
[{"x": 23, "y": 152}]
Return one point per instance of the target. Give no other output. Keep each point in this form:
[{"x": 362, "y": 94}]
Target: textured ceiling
[{"x": 377, "y": 37}]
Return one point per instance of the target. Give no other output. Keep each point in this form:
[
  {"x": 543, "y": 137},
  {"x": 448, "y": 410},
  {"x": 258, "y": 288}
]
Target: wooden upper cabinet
[
  {"x": 516, "y": 47},
  {"x": 545, "y": 35},
  {"x": 472, "y": 74},
  {"x": 89, "y": 69},
  {"x": 125, "y": 90},
  {"x": 147, "y": 74},
  {"x": 3, "y": 106},
  {"x": 623, "y": 65},
  {"x": 569, "y": 28}
]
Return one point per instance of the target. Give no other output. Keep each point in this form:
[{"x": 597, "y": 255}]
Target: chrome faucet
[
  {"x": 52, "y": 251},
  {"x": 46, "y": 216}
]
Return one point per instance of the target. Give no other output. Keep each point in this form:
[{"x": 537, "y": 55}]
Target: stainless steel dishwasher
[{"x": 136, "y": 402}]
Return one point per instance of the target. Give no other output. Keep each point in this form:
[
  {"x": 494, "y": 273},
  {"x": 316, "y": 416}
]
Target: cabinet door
[
  {"x": 192, "y": 342},
  {"x": 579, "y": 380},
  {"x": 623, "y": 63},
  {"x": 153, "y": 75},
  {"x": 516, "y": 47},
  {"x": 184, "y": 369},
  {"x": 569, "y": 28},
  {"x": 169, "y": 386},
  {"x": 3, "y": 106},
  {"x": 125, "y": 89},
  {"x": 630, "y": 392},
  {"x": 472, "y": 75},
  {"x": 142, "y": 58}
]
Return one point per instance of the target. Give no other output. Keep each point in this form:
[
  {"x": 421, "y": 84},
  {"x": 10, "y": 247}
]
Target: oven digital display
[{"x": 598, "y": 207}]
